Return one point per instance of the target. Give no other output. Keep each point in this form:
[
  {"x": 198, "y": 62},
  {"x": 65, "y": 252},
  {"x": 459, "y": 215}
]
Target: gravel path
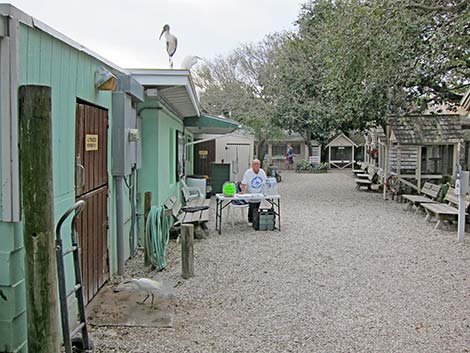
[{"x": 348, "y": 273}]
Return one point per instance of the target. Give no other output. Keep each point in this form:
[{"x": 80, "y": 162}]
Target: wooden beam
[
  {"x": 38, "y": 223},
  {"x": 456, "y": 161},
  {"x": 329, "y": 156},
  {"x": 187, "y": 250},
  {"x": 418, "y": 168}
]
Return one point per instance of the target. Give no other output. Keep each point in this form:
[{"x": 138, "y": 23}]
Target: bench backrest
[
  {"x": 372, "y": 171},
  {"x": 453, "y": 199},
  {"x": 173, "y": 204},
  {"x": 431, "y": 190}
]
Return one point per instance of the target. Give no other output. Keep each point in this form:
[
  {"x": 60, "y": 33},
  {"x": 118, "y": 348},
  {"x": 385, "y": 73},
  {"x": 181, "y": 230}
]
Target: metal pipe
[
  {"x": 207, "y": 139},
  {"x": 119, "y": 180}
]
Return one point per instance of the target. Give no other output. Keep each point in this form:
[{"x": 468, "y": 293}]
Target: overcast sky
[{"x": 126, "y": 31}]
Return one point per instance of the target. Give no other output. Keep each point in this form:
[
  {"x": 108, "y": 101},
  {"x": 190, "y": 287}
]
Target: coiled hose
[{"x": 157, "y": 237}]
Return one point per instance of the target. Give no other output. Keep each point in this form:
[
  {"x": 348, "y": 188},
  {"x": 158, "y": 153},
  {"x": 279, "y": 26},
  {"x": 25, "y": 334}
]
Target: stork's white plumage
[
  {"x": 190, "y": 61},
  {"x": 171, "y": 43},
  {"x": 142, "y": 285}
]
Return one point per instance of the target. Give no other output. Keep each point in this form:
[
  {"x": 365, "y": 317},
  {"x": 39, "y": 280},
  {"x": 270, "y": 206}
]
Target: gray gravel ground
[{"x": 348, "y": 273}]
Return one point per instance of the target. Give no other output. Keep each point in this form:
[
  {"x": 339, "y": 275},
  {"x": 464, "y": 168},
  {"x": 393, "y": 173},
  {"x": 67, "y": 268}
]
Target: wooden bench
[
  {"x": 363, "y": 167},
  {"x": 198, "y": 219},
  {"x": 429, "y": 193},
  {"x": 366, "y": 179},
  {"x": 445, "y": 212}
]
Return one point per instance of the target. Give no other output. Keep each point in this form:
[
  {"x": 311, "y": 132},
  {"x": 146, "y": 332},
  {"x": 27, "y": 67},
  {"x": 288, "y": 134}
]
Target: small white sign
[
  {"x": 457, "y": 187},
  {"x": 151, "y": 92}
]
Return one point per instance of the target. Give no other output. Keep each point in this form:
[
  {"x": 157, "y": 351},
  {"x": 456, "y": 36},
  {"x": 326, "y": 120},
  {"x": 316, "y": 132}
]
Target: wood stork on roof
[{"x": 171, "y": 43}]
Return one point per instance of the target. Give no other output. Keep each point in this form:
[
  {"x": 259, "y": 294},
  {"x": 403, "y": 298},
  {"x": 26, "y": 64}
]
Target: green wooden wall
[
  {"x": 158, "y": 176},
  {"x": 45, "y": 60}
]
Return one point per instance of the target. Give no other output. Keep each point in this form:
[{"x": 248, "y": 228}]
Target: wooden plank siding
[
  {"x": 45, "y": 60},
  {"x": 408, "y": 157}
]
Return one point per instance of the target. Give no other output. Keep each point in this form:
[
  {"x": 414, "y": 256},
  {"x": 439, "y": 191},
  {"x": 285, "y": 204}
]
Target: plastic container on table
[{"x": 270, "y": 187}]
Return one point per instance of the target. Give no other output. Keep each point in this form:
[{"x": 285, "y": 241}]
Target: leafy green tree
[{"x": 235, "y": 85}]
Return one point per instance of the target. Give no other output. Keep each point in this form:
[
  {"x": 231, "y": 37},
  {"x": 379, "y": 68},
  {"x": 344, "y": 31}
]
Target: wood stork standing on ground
[{"x": 171, "y": 43}]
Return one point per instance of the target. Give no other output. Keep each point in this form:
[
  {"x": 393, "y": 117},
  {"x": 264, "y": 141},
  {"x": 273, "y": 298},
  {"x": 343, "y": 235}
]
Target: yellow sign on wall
[{"x": 91, "y": 142}]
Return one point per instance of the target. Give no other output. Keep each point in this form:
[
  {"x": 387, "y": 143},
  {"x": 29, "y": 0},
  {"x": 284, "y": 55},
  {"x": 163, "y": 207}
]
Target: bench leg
[
  {"x": 357, "y": 187},
  {"x": 427, "y": 217},
  {"x": 417, "y": 210},
  {"x": 409, "y": 207},
  {"x": 437, "y": 224}
]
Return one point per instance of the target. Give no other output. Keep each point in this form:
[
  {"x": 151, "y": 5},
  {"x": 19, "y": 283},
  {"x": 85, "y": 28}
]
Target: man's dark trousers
[{"x": 253, "y": 207}]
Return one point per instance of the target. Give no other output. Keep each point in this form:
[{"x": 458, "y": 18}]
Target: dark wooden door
[
  {"x": 91, "y": 185},
  {"x": 91, "y": 150},
  {"x": 204, "y": 156}
]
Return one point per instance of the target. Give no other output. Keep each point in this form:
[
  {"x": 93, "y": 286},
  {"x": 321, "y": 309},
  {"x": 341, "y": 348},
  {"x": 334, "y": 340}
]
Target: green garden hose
[{"x": 158, "y": 235}]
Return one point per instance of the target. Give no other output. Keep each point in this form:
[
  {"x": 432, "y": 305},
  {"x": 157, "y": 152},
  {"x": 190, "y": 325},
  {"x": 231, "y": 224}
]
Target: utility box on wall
[{"x": 125, "y": 135}]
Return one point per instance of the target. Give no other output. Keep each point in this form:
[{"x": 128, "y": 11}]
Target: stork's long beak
[{"x": 163, "y": 31}]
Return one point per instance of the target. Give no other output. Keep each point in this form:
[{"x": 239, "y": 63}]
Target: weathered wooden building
[
  {"x": 421, "y": 147},
  {"x": 344, "y": 151}
]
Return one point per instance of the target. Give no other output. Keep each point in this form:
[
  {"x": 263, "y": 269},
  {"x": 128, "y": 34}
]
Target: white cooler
[{"x": 199, "y": 182}]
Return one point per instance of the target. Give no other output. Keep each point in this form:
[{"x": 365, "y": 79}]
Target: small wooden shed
[
  {"x": 420, "y": 147},
  {"x": 341, "y": 152}
]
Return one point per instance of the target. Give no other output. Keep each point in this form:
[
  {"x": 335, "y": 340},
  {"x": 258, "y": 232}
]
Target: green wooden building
[{"x": 116, "y": 134}]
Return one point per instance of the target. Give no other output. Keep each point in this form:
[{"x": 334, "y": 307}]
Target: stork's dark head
[{"x": 166, "y": 28}]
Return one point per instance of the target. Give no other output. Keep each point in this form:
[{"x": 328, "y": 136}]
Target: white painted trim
[
  {"x": 9, "y": 71},
  {"x": 3, "y": 26},
  {"x": 337, "y": 137},
  {"x": 350, "y": 163}
]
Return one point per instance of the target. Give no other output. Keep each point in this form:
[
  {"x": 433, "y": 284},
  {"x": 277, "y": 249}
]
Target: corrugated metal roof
[
  {"x": 209, "y": 124},
  {"x": 174, "y": 86},
  {"x": 427, "y": 129}
]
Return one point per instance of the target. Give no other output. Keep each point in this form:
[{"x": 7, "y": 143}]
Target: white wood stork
[
  {"x": 190, "y": 61},
  {"x": 171, "y": 43},
  {"x": 141, "y": 285}
]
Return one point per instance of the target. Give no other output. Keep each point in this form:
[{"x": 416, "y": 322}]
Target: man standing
[{"x": 253, "y": 181}]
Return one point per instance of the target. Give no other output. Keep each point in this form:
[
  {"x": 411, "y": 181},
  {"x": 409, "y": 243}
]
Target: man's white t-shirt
[{"x": 254, "y": 182}]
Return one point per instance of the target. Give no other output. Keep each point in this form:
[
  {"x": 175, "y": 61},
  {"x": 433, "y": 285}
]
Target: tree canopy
[{"x": 349, "y": 64}]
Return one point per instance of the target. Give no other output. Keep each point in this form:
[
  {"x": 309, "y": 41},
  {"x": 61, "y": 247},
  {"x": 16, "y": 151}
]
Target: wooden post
[
  {"x": 147, "y": 206},
  {"x": 329, "y": 157},
  {"x": 187, "y": 250},
  {"x": 418, "y": 168},
  {"x": 352, "y": 157},
  {"x": 38, "y": 222},
  {"x": 462, "y": 191}
]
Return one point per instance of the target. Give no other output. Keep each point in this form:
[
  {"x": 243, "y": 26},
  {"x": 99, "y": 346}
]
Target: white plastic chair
[
  {"x": 190, "y": 192},
  {"x": 231, "y": 213}
]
